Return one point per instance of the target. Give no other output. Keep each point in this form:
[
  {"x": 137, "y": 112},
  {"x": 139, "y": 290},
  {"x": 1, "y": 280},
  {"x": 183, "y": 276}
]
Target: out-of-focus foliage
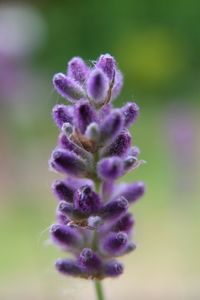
[{"x": 157, "y": 43}]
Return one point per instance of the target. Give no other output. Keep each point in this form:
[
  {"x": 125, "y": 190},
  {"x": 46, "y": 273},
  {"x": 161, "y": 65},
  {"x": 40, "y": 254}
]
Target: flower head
[{"x": 94, "y": 149}]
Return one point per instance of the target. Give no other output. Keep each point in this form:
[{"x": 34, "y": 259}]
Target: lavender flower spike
[{"x": 94, "y": 150}]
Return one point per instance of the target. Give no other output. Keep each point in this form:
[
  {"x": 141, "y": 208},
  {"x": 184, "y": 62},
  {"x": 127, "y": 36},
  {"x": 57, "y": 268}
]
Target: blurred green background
[{"x": 157, "y": 46}]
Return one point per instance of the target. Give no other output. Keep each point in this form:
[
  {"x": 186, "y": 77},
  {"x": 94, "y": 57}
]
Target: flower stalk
[{"x": 99, "y": 290}]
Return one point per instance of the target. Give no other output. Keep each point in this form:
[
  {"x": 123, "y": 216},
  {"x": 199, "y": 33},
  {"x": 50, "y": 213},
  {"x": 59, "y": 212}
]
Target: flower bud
[
  {"x": 97, "y": 86},
  {"x": 62, "y": 191},
  {"x": 117, "y": 84},
  {"x": 65, "y": 208},
  {"x": 93, "y": 132},
  {"x": 115, "y": 243},
  {"x": 62, "y": 114},
  {"x": 90, "y": 261},
  {"x": 86, "y": 201},
  {"x": 67, "y": 87},
  {"x": 67, "y": 129},
  {"x": 84, "y": 114},
  {"x": 67, "y": 144},
  {"x": 130, "y": 113},
  {"x": 66, "y": 237},
  {"x": 68, "y": 267},
  {"x": 113, "y": 268},
  {"x": 108, "y": 65},
  {"x": 130, "y": 247},
  {"x": 133, "y": 192},
  {"x": 110, "y": 168},
  {"x": 120, "y": 146},
  {"x": 125, "y": 224},
  {"x": 68, "y": 162},
  {"x": 61, "y": 218},
  {"x": 111, "y": 127},
  {"x": 77, "y": 69},
  {"x": 115, "y": 208}
]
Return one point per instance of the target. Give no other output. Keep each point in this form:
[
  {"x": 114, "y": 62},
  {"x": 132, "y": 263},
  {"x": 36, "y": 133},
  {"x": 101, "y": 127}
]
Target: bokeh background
[{"x": 157, "y": 46}]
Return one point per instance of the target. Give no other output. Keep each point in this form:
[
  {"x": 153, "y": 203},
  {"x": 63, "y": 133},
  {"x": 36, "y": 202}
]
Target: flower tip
[
  {"x": 97, "y": 86},
  {"x": 108, "y": 64},
  {"x": 122, "y": 202},
  {"x": 67, "y": 87},
  {"x": 77, "y": 69},
  {"x": 113, "y": 268}
]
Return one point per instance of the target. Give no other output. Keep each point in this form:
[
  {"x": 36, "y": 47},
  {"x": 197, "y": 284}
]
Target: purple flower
[
  {"x": 64, "y": 142},
  {"x": 115, "y": 208},
  {"x": 67, "y": 87},
  {"x": 84, "y": 115},
  {"x": 125, "y": 223},
  {"x": 63, "y": 191},
  {"x": 133, "y": 192},
  {"x": 90, "y": 261},
  {"x": 113, "y": 268},
  {"x": 115, "y": 243},
  {"x": 118, "y": 83},
  {"x": 86, "y": 201},
  {"x": 77, "y": 69},
  {"x": 130, "y": 113},
  {"x": 68, "y": 267},
  {"x": 120, "y": 145},
  {"x": 108, "y": 65},
  {"x": 94, "y": 149},
  {"x": 62, "y": 114},
  {"x": 110, "y": 127},
  {"x": 110, "y": 168},
  {"x": 97, "y": 86},
  {"x": 66, "y": 237},
  {"x": 67, "y": 162}
]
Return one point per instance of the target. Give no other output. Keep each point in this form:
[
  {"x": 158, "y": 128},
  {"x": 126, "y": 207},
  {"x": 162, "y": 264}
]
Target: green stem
[{"x": 99, "y": 290}]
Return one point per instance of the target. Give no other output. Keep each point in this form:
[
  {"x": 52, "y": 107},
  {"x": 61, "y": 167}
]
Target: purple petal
[
  {"x": 86, "y": 201},
  {"x": 133, "y": 192},
  {"x": 68, "y": 267},
  {"x": 66, "y": 236},
  {"x": 113, "y": 268},
  {"x": 67, "y": 144},
  {"x": 90, "y": 261},
  {"x": 130, "y": 113},
  {"x": 62, "y": 191},
  {"x": 108, "y": 64},
  {"x": 62, "y": 114},
  {"x": 117, "y": 85},
  {"x": 77, "y": 69},
  {"x": 111, "y": 127},
  {"x": 67, "y": 87},
  {"x": 115, "y": 208},
  {"x": 115, "y": 243},
  {"x": 97, "y": 86},
  {"x": 110, "y": 168},
  {"x": 120, "y": 146},
  {"x": 124, "y": 224},
  {"x": 84, "y": 114},
  {"x": 67, "y": 162}
]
